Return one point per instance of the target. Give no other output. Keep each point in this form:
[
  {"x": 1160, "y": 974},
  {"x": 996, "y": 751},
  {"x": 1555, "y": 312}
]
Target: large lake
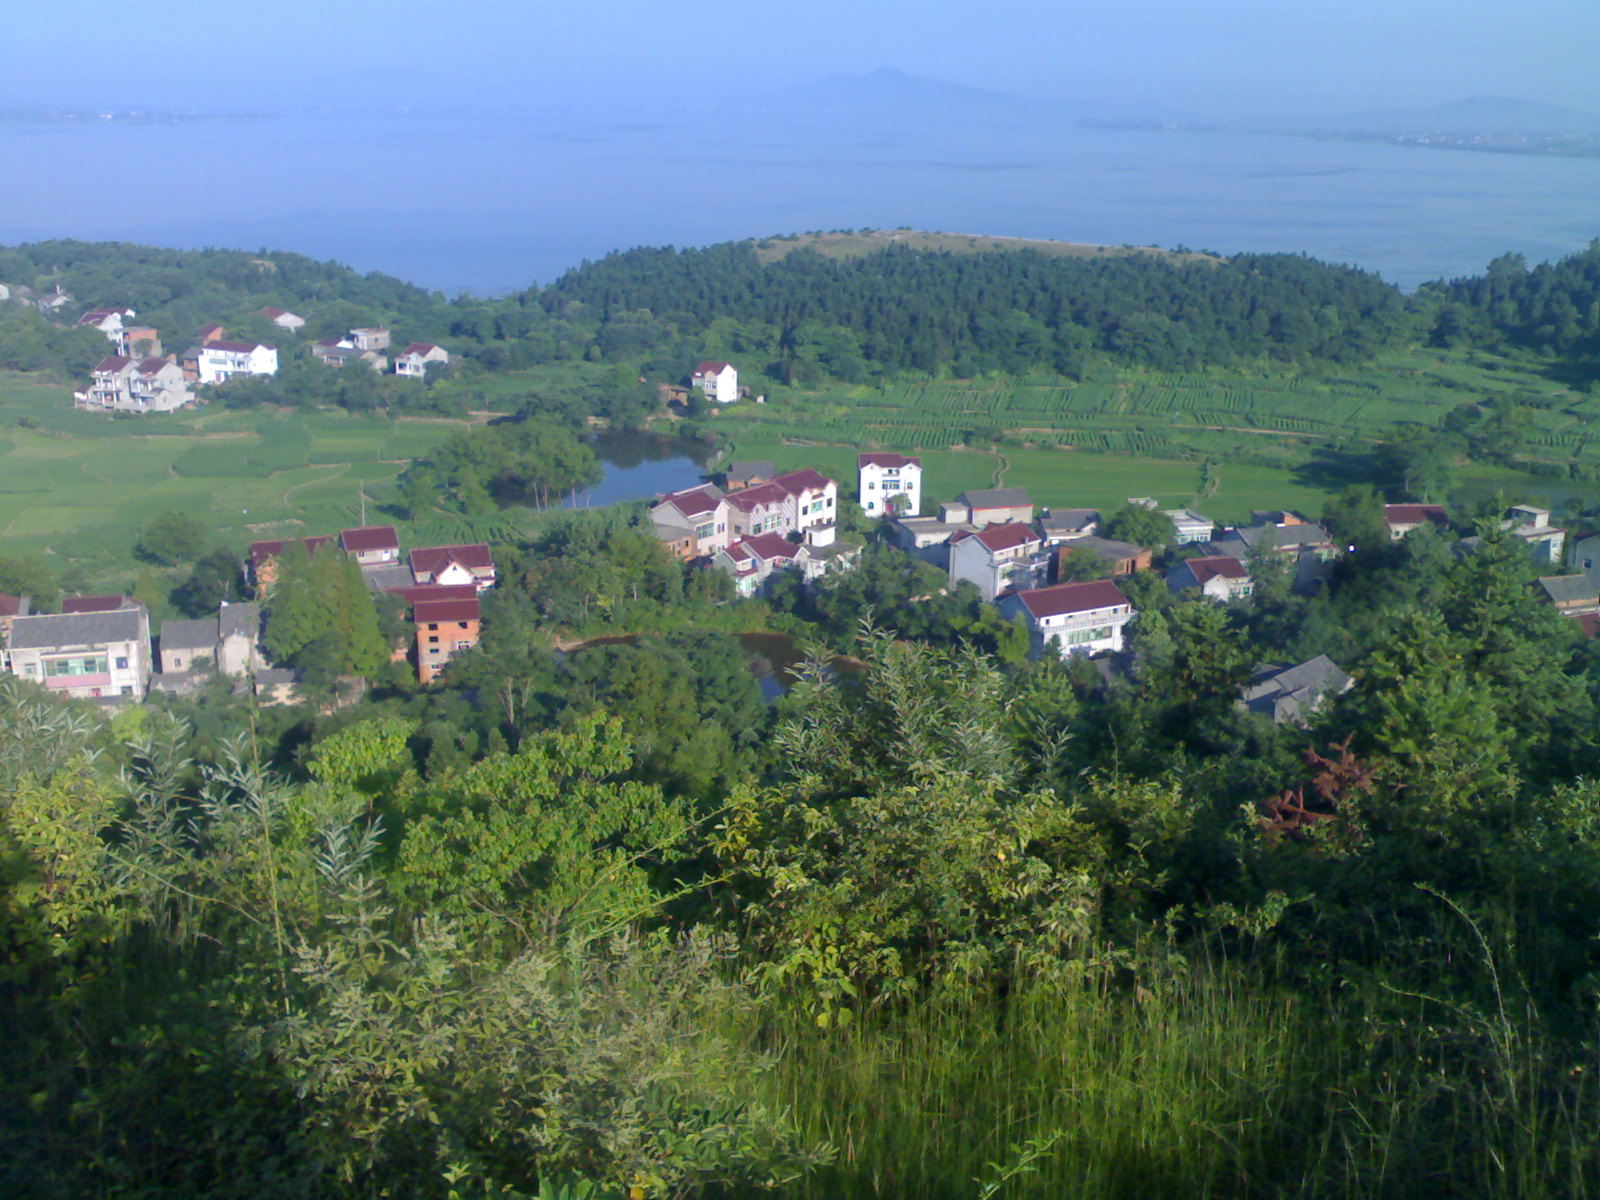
[{"x": 490, "y": 204}]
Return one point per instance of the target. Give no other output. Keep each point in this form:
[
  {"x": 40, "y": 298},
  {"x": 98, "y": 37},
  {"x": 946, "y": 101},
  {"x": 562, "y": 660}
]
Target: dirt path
[{"x": 343, "y": 467}]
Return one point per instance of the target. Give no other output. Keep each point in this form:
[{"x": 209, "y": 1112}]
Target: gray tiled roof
[
  {"x": 199, "y": 634},
  {"x": 243, "y": 620},
  {"x": 997, "y": 498},
  {"x": 46, "y": 632},
  {"x": 1570, "y": 589}
]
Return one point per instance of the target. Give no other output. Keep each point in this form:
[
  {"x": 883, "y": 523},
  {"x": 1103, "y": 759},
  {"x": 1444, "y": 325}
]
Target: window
[
  {"x": 89, "y": 664},
  {"x": 434, "y": 640},
  {"x": 122, "y": 664},
  {"x": 127, "y": 691},
  {"x": 463, "y": 645},
  {"x": 461, "y": 624},
  {"x": 1077, "y": 637}
]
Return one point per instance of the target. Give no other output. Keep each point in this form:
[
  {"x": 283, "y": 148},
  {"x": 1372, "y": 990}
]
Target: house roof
[
  {"x": 711, "y": 368},
  {"x": 803, "y": 480},
  {"x": 755, "y": 469},
  {"x": 46, "y": 632},
  {"x": 1208, "y": 568},
  {"x": 694, "y": 502},
  {"x": 770, "y": 546},
  {"x": 260, "y": 552},
  {"x": 421, "y": 349},
  {"x": 433, "y": 611},
  {"x": 1414, "y": 514},
  {"x": 996, "y": 498},
  {"x": 1286, "y": 693},
  {"x": 430, "y": 560},
  {"x": 100, "y": 315},
  {"x": 13, "y": 606},
  {"x": 88, "y": 604},
  {"x": 198, "y": 634},
  {"x": 996, "y": 538},
  {"x": 1282, "y": 537},
  {"x": 369, "y": 537},
  {"x": 239, "y": 619},
  {"x": 1070, "y": 520},
  {"x": 113, "y": 362},
  {"x": 233, "y": 347},
  {"x": 1064, "y": 598},
  {"x": 1107, "y": 548},
  {"x": 153, "y": 366},
  {"x": 771, "y": 492},
  {"x": 1570, "y": 589},
  {"x": 885, "y": 459}
]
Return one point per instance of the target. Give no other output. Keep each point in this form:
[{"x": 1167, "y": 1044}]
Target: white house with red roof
[
  {"x": 414, "y": 359},
  {"x": 128, "y": 385},
  {"x": 751, "y": 561},
  {"x": 692, "y": 523},
  {"x": 890, "y": 485},
  {"x": 790, "y": 503},
  {"x": 1401, "y": 519},
  {"x": 283, "y": 318},
  {"x": 1219, "y": 576},
  {"x": 1073, "y": 618},
  {"x": 220, "y": 361},
  {"x": 371, "y": 545},
  {"x": 454, "y": 565},
  {"x": 107, "y": 321},
  {"x": 718, "y": 380},
  {"x": 999, "y": 558}
]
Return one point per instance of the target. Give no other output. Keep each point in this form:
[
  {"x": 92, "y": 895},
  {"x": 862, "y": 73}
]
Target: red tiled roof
[
  {"x": 1414, "y": 514},
  {"x": 272, "y": 314},
  {"x": 232, "y": 347},
  {"x": 1064, "y": 598},
  {"x": 433, "y": 611},
  {"x": 1589, "y": 623},
  {"x": 430, "y": 560},
  {"x": 803, "y": 480},
  {"x": 692, "y": 502},
  {"x": 112, "y": 362},
  {"x": 418, "y": 348},
  {"x": 771, "y": 492},
  {"x": 205, "y": 329},
  {"x": 151, "y": 366},
  {"x": 886, "y": 460},
  {"x": 261, "y": 551},
  {"x": 711, "y": 368},
  {"x": 1225, "y": 565},
  {"x": 91, "y": 604},
  {"x": 770, "y": 546},
  {"x": 1005, "y": 537},
  {"x": 369, "y": 537},
  {"x": 10, "y": 606}
]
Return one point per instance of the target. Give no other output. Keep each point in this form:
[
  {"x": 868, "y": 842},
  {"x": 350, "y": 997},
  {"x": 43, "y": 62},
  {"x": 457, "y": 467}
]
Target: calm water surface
[{"x": 489, "y": 204}]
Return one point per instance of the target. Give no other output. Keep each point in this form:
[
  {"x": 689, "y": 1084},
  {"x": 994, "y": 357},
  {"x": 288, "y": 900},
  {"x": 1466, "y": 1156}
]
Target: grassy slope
[
  {"x": 853, "y": 244},
  {"x": 79, "y": 486},
  {"x": 1146, "y": 433}
]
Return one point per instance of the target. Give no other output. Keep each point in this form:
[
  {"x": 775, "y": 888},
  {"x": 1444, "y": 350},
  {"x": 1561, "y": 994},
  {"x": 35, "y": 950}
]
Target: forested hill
[
  {"x": 904, "y": 309},
  {"x": 181, "y": 290},
  {"x": 1553, "y": 308}
]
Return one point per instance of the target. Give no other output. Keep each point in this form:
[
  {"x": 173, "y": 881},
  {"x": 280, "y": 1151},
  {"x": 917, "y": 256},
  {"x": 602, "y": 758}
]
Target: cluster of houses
[
  {"x": 139, "y": 378},
  {"x": 441, "y": 585},
  {"x": 99, "y": 648},
  {"x": 1027, "y": 560}
]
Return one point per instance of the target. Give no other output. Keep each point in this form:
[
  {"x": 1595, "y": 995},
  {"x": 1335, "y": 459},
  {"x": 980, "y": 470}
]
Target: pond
[
  {"x": 641, "y": 466},
  {"x": 773, "y": 658}
]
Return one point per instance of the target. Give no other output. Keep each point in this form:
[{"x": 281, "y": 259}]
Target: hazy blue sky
[{"x": 1294, "y": 55}]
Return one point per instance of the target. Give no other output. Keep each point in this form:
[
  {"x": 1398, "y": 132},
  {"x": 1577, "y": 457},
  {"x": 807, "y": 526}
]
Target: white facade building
[
  {"x": 718, "y": 380},
  {"x": 889, "y": 484},
  {"x": 89, "y": 655},
  {"x": 1073, "y": 618},
  {"x": 414, "y": 359},
  {"x": 218, "y": 362}
]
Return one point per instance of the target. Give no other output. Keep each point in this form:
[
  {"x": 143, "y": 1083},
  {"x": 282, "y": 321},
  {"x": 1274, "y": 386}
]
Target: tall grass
[{"x": 1207, "y": 1084}]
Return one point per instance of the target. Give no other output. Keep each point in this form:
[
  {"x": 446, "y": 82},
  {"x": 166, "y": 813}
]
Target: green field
[
  {"x": 79, "y": 486},
  {"x": 1121, "y": 434}
]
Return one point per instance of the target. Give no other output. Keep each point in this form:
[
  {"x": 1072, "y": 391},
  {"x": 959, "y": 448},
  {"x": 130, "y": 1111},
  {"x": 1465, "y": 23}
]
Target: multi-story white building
[
  {"x": 718, "y": 380},
  {"x": 1073, "y": 618},
  {"x": 890, "y": 485},
  {"x": 120, "y": 384},
  {"x": 693, "y": 522},
  {"x": 89, "y": 655},
  {"x": 219, "y": 361},
  {"x": 414, "y": 359},
  {"x": 999, "y": 557}
]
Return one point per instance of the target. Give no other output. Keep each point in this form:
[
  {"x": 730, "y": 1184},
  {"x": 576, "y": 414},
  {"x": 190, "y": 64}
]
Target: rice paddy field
[
  {"x": 1121, "y": 434},
  {"x": 79, "y": 486}
]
